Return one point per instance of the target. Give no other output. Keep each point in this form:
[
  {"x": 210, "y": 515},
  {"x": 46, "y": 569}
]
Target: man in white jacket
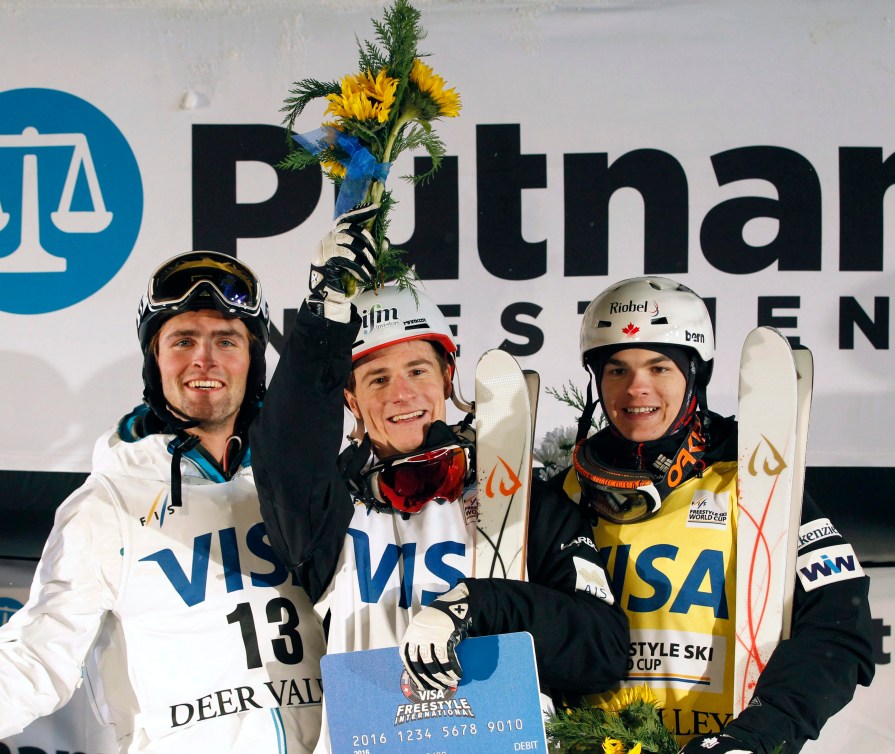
[{"x": 157, "y": 586}]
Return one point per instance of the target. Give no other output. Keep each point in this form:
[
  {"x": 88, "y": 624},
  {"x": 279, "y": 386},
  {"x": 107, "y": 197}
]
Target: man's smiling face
[
  {"x": 398, "y": 392},
  {"x": 203, "y": 358},
  {"x": 642, "y": 393}
]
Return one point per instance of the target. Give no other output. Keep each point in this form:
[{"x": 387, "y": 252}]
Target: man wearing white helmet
[
  {"x": 648, "y": 344},
  {"x": 156, "y": 586},
  {"x": 382, "y": 536}
]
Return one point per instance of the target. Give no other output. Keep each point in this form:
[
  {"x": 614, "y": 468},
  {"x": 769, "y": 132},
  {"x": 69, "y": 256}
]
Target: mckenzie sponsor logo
[
  {"x": 828, "y": 565},
  {"x": 813, "y": 531}
]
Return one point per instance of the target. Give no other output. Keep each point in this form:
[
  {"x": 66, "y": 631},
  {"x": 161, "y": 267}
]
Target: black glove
[
  {"x": 717, "y": 743},
  {"x": 343, "y": 265},
  {"x": 428, "y": 648}
]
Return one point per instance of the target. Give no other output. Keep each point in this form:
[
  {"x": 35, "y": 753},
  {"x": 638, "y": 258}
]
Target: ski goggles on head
[
  {"x": 234, "y": 285},
  {"x": 621, "y": 496},
  {"x": 407, "y": 482}
]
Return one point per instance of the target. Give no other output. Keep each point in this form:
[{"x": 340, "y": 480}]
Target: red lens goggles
[{"x": 408, "y": 482}]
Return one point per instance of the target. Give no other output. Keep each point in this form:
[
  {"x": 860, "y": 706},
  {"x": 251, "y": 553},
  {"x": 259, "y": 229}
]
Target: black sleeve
[
  {"x": 295, "y": 444},
  {"x": 814, "y": 674},
  {"x": 580, "y": 633}
]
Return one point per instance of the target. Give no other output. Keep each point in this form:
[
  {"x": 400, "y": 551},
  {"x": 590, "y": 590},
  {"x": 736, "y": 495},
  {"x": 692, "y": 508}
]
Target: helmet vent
[
  {"x": 659, "y": 321},
  {"x": 604, "y": 323}
]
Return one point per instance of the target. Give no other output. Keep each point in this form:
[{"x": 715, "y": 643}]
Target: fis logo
[
  {"x": 826, "y": 566},
  {"x": 157, "y": 512}
]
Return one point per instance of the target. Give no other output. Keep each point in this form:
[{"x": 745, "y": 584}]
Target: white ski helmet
[
  {"x": 641, "y": 311},
  {"x": 391, "y": 315}
]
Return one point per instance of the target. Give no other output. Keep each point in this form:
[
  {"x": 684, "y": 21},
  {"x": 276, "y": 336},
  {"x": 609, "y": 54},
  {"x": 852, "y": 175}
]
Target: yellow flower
[
  {"x": 428, "y": 82},
  {"x": 613, "y": 746},
  {"x": 636, "y": 748},
  {"x": 364, "y": 97},
  {"x": 333, "y": 169},
  {"x": 618, "y": 700}
]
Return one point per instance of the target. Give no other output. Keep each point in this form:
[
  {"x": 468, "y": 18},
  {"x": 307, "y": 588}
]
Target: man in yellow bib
[{"x": 661, "y": 481}]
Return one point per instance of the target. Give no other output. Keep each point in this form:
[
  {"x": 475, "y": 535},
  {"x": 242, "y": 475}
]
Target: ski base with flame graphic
[
  {"x": 774, "y": 400},
  {"x": 505, "y": 398}
]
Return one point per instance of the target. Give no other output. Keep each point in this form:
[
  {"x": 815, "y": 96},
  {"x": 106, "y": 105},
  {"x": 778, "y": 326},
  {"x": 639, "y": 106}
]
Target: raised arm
[{"x": 295, "y": 440}]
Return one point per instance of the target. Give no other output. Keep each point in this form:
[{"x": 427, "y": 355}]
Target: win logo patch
[{"x": 827, "y": 565}]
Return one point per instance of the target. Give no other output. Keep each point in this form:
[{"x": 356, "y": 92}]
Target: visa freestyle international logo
[{"x": 71, "y": 200}]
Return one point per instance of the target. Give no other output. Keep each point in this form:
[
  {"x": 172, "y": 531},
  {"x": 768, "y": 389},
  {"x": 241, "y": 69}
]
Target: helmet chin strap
[
  {"x": 584, "y": 423},
  {"x": 359, "y": 432},
  {"x": 467, "y": 407}
]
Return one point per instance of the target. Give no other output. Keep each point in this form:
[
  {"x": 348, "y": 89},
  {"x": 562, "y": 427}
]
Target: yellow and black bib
[{"x": 675, "y": 576}]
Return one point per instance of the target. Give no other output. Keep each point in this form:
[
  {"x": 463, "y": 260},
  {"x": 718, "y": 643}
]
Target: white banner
[{"x": 743, "y": 148}]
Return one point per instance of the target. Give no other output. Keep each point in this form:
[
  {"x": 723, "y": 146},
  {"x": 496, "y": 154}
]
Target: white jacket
[{"x": 188, "y": 631}]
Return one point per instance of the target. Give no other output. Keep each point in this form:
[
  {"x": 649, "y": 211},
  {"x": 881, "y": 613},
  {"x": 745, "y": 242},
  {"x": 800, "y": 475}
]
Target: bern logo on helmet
[
  {"x": 616, "y": 307},
  {"x": 694, "y": 337},
  {"x": 377, "y": 315}
]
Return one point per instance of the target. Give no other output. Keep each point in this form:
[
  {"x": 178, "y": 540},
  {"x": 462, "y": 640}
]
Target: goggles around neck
[
  {"x": 626, "y": 496},
  {"x": 225, "y": 277},
  {"x": 409, "y": 481},
  {"x": 621, "y": 496}
]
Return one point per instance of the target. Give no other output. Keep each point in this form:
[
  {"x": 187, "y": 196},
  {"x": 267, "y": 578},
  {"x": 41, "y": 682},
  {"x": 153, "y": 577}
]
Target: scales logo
[
  {"x": 8, "y": 608},
  {"x": 71, "y": 200}
]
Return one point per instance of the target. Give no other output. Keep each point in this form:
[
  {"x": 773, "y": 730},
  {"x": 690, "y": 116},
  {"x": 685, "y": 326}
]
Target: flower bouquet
[
  {"x": 387, "y": 106},
  {"x": 629, "y": 723}
]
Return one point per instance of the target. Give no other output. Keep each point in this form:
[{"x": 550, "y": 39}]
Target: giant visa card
[{"x": 374, "y": 708}]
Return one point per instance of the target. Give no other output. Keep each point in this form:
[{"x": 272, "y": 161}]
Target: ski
[
  {"x": 504, "y": 423},
  {"x": 773, "y": 417},
  {"x": 804, "y": 389}
]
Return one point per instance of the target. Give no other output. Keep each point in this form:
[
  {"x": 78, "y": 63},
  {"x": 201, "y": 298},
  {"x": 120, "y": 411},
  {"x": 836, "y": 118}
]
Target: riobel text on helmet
[{"x": 617, "y": 307}]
